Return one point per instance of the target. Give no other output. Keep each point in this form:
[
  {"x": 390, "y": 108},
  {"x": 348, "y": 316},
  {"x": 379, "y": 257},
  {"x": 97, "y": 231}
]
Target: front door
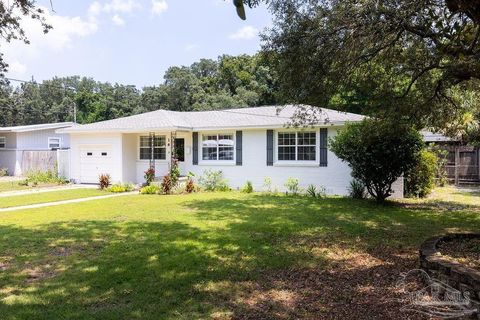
[{"x": 179, "y": 146}]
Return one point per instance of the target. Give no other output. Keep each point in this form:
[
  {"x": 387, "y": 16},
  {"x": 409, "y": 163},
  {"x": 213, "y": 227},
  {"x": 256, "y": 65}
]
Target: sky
[{"x": 131, "y": 42}]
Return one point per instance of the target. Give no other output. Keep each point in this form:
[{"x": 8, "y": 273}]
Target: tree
[
  {"x": 388, "y": 58},
  {"x": 11, "y": 14},
  {"x": 378, "y": 152}
]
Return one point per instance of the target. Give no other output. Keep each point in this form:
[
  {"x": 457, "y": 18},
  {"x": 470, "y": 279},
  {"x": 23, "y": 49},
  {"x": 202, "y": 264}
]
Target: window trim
[
  {"x": 139, "y": 147},
  {"x": 59, "y": 142},
  {"x": 216, "y": 162},
  {"x": 306, "y": 163},
  {"x": 4, "y": 138}
]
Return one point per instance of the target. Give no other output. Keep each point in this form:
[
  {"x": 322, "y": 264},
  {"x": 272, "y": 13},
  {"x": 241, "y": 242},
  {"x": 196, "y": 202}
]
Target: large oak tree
[{"x": 388, "y": 57}]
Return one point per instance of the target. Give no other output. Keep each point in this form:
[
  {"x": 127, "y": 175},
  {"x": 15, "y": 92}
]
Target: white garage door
[{"x": 94, "y": 161}]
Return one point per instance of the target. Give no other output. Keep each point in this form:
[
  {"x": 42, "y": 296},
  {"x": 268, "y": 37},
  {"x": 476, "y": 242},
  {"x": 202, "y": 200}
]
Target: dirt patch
[
  {"x": 463, "y": 251},
  {"x": 362, "y": 287},
  {"x": 35, "y": 274}
]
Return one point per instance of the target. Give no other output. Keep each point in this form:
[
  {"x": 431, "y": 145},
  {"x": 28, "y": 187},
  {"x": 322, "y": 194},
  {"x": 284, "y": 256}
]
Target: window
[
  {"x": 104, "y": 154},
  {"x": 218, "y": 147},
  {"x": 89, "y": 154},
  {"x": 54, "y": 143},
  {"x": 297, "y": 146},
  {"x": 159, "y": 148},
  {"x": 3, "y": 142}
]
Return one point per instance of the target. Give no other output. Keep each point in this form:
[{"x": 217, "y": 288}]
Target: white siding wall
[
  {"x": 38, "y": 140},
  {"x": 335, "y": 178},
  {"x": 11, "y": 159},
  {"x": 79, "y": 141}
]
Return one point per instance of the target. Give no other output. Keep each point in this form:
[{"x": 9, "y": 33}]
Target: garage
[{"x": 94, "y": 161}]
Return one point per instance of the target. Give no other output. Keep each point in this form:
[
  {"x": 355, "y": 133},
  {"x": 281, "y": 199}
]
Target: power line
[{"x": 42, "y": 84}]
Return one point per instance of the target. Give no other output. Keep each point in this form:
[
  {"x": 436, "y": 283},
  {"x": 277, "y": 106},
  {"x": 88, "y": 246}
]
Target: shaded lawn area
[
  {"x": 50, "y": 196},
  {"x": 216, "y": 255}
]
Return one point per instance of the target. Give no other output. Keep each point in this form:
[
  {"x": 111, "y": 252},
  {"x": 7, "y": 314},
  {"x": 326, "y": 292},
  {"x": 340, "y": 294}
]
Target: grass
[
  {"x": 50, "y": 196},
  {"x": 217, "y": 255},
  {"x": 15, "y": 186}
]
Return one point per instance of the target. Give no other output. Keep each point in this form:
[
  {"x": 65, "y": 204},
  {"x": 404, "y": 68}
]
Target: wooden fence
[
  {"x": 462, "y": 165},
  {"x": 39, "y": 161}
]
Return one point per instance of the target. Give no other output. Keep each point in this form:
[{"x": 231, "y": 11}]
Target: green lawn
[
  {"x": 218, "y": 255},
  {"x": 15, "y": 186},
  {"x": 50, "y": 196}
]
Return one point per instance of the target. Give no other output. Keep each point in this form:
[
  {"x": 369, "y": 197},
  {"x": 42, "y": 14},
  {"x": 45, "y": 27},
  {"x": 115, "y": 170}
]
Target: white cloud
[
  {"x": 117, "y": 20},
  {"x": 245, "y": 33},
  {"x": 17, "y": 69},
  {"x": 95, "y": 8},
  {"x": 159, "y": 6},
  {"x": 123, "y": 6}
]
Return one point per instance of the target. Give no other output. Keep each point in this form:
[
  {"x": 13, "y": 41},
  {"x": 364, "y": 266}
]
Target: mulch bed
[
  {"x": 360, "y": 286},
  {"x": 463, "y": 251}
]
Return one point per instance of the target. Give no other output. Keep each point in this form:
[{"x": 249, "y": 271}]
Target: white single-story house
[
  {"x": 245, "y": 144},
  {"x": 16, "y": 142}
]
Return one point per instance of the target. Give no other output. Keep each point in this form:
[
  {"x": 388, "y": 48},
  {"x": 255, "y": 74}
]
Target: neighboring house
[
  {"x": 21, "y": 145},
  {"x": 246, "y": 144}
]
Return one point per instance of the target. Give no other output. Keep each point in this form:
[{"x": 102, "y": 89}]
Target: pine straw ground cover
[
  {"x": 463, "y": 251},
  {"x": 220, "y": 256}
]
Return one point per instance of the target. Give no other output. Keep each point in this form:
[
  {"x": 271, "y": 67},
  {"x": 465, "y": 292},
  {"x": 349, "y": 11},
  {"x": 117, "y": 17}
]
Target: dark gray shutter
[
  {"x": 269, "y": 147},
  {"x": 195, "y": 148},
  {"x": 323, "y": 147},
  {"x": 238, "y": 145}
]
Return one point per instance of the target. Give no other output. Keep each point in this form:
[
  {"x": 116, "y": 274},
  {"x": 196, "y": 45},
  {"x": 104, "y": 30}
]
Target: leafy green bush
[
  {"x": 292, "y": 185},
  {"x": 420, "y": 180},
  {"x": 378, "y": 152},
  {"x": 152, "y": 189},
  {"x": 3, "y": 172},
  {"x": 356, "y": 190},
  {"x": 248, "y": 187},
  {"x": 267, "y": 184},
  {"x": 119, "y": 188},
  {"x": 314, "y": 192},
  {"x": 50, "y": 176},
  {"x": 213, "y": 181},
  {"x": 174, "y": 172}
]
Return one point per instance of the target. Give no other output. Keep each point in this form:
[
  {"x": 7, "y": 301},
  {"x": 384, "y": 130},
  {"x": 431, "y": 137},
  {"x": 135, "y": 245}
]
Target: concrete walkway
[
  {"x": 58, "y": 203},
  {"x": 46, "y": 189}
]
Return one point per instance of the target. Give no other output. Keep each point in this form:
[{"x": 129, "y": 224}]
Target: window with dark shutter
[
  {"x": 323, "y": 147},
  {"x": 195, "y": 148},
  {"x": 238, "y": 148},
  {"x": 269, "y": 147}
]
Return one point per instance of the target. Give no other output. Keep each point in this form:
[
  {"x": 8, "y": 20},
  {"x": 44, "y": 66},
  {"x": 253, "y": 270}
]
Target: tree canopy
[
  {"x": 392, "y": 58},
  {"x": 228, "y": 82}
]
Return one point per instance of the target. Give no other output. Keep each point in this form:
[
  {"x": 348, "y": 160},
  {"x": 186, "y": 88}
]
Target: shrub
[
  {"x": 119, "y": 188},
  {"x": 50, "y": 176},
  {"x": 151, "y": 189},
  {"x": 104, "y": 181},
  {"x": 190, "y": 186},
  {"x": 267, "y": 184},
  {"x": 378, "y": 152},
  {"x": 213, "y": 181},
  {"x": 248, "y": 187},
  {"x": 292, "y": 186},
  {"x": 356, "y": 190},
  {"x": 174, "y": 172},
  {"x": 420, "y": 180},
  {"x": 149, "y": 175},
  {"x": 167, "y": 184},
  {"x": 314, "y": 192},
  {"x": 3, "y": 172}
]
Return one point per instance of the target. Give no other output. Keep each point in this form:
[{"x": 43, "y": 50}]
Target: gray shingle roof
[
  {"x": 36, "y": 127},
  {"x": 258, "y": 117}
]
